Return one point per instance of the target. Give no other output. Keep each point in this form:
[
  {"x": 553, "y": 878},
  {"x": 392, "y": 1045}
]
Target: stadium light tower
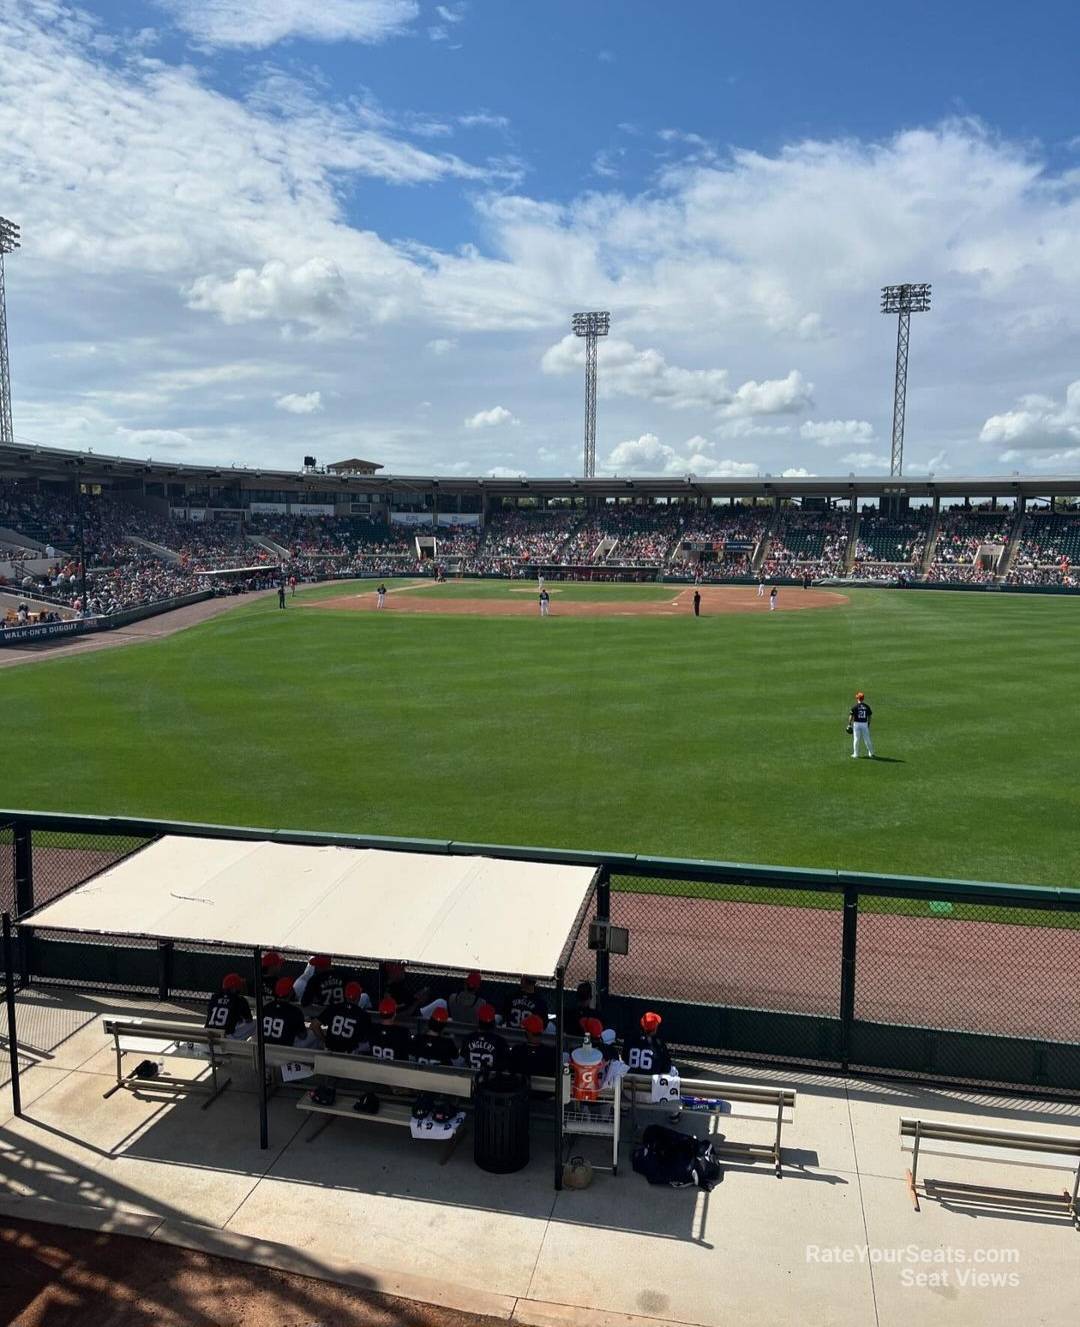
[
  {"x": 904, "y": 301},
  {"x": 590, "y": 326},
  {"x": 9, "y": 242}
]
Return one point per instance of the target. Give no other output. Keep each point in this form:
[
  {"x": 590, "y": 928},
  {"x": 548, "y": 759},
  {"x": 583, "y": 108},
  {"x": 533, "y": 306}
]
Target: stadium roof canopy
[
  {"x": 55, "y": 464},
  {"x": 436, "y": 910}
]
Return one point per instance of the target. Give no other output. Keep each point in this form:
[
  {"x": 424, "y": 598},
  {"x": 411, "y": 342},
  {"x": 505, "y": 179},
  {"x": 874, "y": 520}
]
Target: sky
[{"x": 255, "y": 230}]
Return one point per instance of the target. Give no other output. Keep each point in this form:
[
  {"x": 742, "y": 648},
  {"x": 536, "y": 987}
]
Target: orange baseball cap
[{"x": 650, "y": 1021}]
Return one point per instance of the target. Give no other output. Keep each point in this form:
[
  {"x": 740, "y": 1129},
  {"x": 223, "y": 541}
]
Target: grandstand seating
[
  {"x": 813, "y": 542},
  {"x": 886, "y": 539}
]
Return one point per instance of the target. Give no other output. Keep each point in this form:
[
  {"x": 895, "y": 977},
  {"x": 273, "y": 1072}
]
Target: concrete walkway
[{"x": 834, "y": 1242}]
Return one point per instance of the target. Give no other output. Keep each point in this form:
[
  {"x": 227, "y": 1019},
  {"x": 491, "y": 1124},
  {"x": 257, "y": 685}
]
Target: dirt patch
[
  {"x": 715, "y": 600},
  {"x": 73, "y": 1278}
]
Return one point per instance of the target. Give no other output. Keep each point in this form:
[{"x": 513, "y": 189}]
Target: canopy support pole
[
  {"x": 13, "y": 1038},
  {"x": 560, "y": 1085},
  {"x": 260, "y": 1052}
]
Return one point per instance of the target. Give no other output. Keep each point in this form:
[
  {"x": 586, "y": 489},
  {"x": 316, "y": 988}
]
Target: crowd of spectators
[
  {"x": 805, "y": 543},
  {"x": 964, "y": 531},
  {"x": 887, "y": 539}
]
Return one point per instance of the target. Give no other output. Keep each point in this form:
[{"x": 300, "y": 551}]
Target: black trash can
[{"x": 501, "y": 1130}]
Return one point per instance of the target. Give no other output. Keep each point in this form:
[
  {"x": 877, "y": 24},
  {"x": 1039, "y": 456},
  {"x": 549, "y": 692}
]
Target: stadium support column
[
  {"x": 9, "y": 242},
  {"x": 902, "y": 300},
  {"x": 603, "y": 913},
  {"x": 561, "y": 1081},
  {"x": 590, "y": 326}
]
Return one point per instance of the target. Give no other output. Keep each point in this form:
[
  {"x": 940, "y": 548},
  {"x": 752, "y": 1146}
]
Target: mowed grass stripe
[{"x": 721, "y": 737}]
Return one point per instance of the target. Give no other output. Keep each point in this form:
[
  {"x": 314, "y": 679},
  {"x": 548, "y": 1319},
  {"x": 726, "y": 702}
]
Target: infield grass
[{"x": 720, "y": 737}]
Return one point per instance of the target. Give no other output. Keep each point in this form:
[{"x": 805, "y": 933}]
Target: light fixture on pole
[
  {"x": 590, "y": 326},
  {"x": 9, "y": 242},
  {"x": 904, "y": 301}
]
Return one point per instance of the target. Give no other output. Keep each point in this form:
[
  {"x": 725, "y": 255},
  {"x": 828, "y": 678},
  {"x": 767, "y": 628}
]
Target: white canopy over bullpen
[{"x": 427, "y": 908}]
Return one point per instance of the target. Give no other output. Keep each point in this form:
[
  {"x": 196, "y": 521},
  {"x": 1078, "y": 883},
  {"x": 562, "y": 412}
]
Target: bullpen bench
[
  {"x": 170, "y": 1037},
  {"x": 396, "y": 1083},
  {"x": 1007, "y": 1147},
  {"x": 739, "y": 1101}
]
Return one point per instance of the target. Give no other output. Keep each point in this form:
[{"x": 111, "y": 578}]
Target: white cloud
[
  {"x": 451, "y": 13},
  {"x": 307, "y": 403},
  {"x": 312, "y": 292},
  {"x": 504, "y": 472},
  {"x": 442, "y": 345},
  {"x": 623, "y": 370},
  {"x": 647, "y": 455},
  {"x": 796, "y": 472},
  {"x": 485, "y": 419},
  {"x": 1038, "y": 423},
  {"x": 837, "y": 432},
  {"x": 261, "y": 23}
]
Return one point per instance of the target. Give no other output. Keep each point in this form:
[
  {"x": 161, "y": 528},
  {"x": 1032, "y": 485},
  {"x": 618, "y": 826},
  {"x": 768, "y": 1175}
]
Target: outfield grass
[{"x": 721, "y": 737}]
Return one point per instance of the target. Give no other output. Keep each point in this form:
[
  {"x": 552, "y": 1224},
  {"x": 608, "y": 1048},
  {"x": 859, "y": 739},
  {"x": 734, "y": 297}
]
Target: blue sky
[{"x": 258, "y": 228}]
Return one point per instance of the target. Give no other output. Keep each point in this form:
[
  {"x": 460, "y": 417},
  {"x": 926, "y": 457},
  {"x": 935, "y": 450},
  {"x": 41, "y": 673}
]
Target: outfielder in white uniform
[
  {"x": 544, "y": 600},
  {"x": 380, "y": 602},
  {"x": 761, "y": 589},
  {"x": 860, "y": 726}
]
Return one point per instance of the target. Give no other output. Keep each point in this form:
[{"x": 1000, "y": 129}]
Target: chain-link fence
[
  {"x": 743, "y": 946},
  {"x": 741, "y": 961}
]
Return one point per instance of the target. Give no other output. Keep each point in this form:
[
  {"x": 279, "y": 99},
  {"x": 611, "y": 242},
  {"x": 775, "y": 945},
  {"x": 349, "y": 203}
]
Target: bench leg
[{"x": 913, "y": 1193}]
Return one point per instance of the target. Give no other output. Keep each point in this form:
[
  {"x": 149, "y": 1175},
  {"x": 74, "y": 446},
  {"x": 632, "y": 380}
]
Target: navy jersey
[
  {"x": 534, "y": 1061},
  {"x": 325, "y": 988},
  {"x": 647, "y": 1055},
  {"x": 390, "y": 1042},
  {"x": 346, "y": 1027},
  {"x": 431, "y": 1048},
  {"x": 520, "y": 1006},
  {"x": 861, "y": 712},
  {"x": 484, "y": 1050},
  {"x": 283, "y": 1023},
  {"x": 225, "y": 1010}
]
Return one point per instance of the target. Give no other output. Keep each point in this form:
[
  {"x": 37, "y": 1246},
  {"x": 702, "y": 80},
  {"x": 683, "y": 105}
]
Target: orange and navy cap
[
  {"x": 232, "y": 981},
  {"x": 650, "y": 1021},
  {"x": 473, "y": 980},
  {"x": 438, "y": 1015},
  {"x": 533, "y": 1023},
  {"x": 320, "y": 962},
  {"x": 271, "y": 959},
  {"x": 388, "y": 1006},
  {"x": 486, "y": 1013},
  {"x": 283, "y": 987},
  {"x": 592, "y": 1026},
  {"x": 353, "y": 991}
]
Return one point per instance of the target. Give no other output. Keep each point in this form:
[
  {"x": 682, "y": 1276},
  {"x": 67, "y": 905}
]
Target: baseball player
[
  {"x": 435, "y": 1046},
  {"x": 527, "y": 1001},
  {"x": 859, "y": 725},
  {"x": 545, "y": 600},
  {"x": 380, "y": 592},
  {"x": 346, "y": 1024},
  {"x": 584, "y": 1006},
  {"x": 281, "y": 594},
  {"x": 697, "y": 603},
  {"x": 464, "y": 1004},
  {"x": 539, "y": 582},
  {"x": 283, "y": 1022},
  {"x": 318, "y": 986},
  {"x": 533, "y": 1057},
  {"x": 229, "y": 1011},
  {"x": 761, "y": 589},
  {"x": 484, "y": 1049},
  {"x": 273, "y": 967},
  {"x": 773, "y": 595},
  {"x": 389, "y": 1040},
  {"x": 646, "y": 1052}
]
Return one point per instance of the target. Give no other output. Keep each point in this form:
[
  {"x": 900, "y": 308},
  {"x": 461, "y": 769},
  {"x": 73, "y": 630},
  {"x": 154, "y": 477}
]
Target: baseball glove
[{"x": 849, "y": 730}]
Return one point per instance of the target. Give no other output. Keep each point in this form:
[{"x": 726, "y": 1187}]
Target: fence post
[
  {"x": 24, "y": 870},
  {"x": 603, "y": 958},
  {"x": 13, "y": 1035},
  {"x": 847, "y": 973},
  {"x": 165, "y": 967}
]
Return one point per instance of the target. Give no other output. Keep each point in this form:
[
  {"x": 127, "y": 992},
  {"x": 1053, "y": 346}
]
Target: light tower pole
[
  {"x": 9, "y": 242},
  {"x": 904, "y": 301},
  {"x": 590, "y": 326}
]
